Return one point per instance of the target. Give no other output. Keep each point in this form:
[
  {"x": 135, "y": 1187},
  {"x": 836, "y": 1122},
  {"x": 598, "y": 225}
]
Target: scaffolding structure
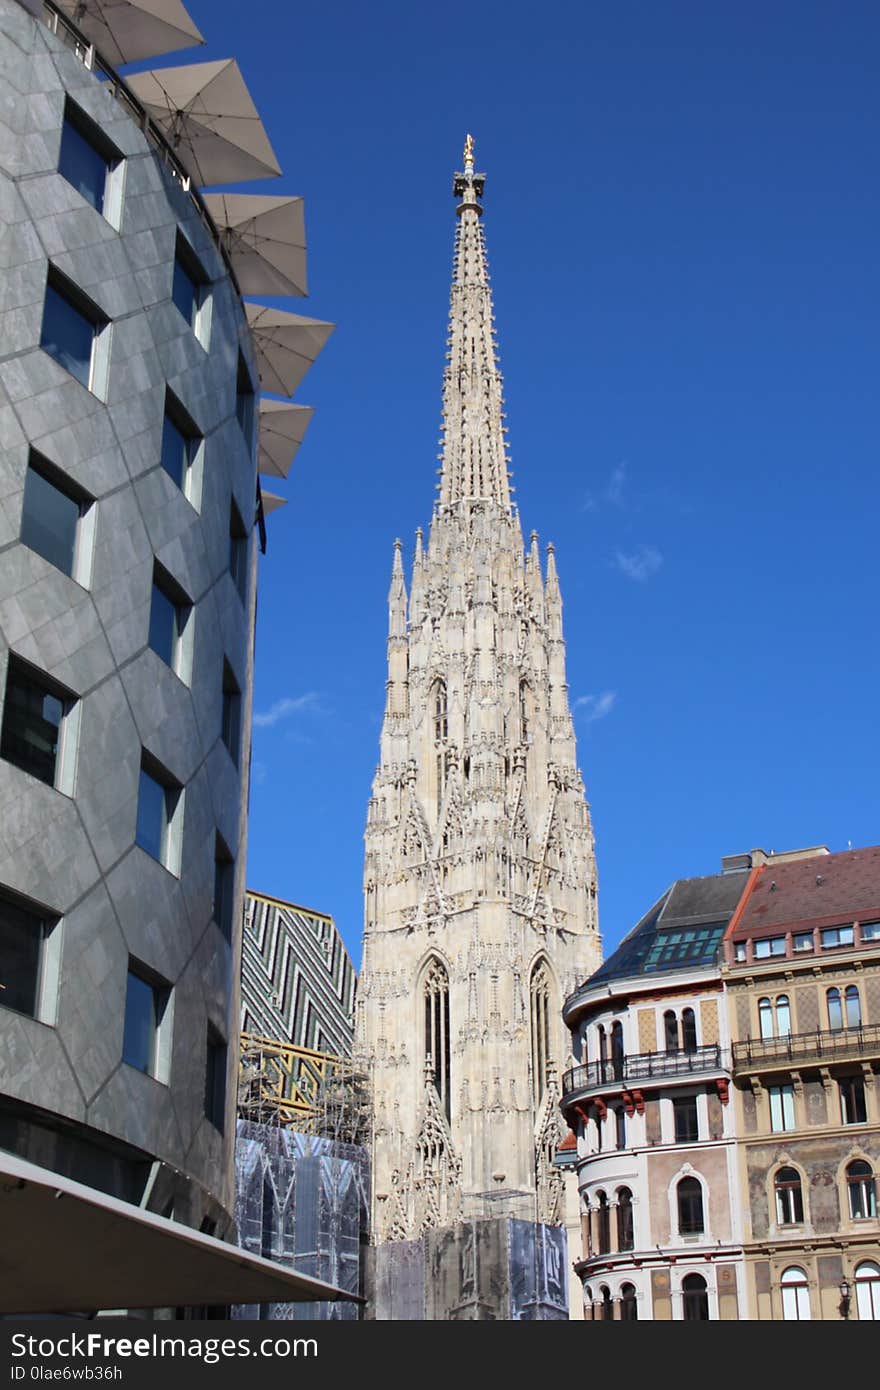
[
  {"x": 303, "y": 1168},
  {"x": 312, "y": 1092}
]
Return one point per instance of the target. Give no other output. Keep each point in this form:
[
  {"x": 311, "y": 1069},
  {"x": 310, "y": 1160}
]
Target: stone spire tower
[{"x": 480, "y": 877}]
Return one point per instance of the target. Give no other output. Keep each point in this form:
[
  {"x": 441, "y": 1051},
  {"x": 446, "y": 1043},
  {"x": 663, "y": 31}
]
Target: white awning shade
[
  {"x": 286, "y": 346},
  {"x": 282, "y": 429},
  {"x": 125, "y": 31},
  {"x": 265, "y": 240},
  {"x": 271, "y": 501},
  {"x": 66, "y": 1247},
  {"x": 208, "y": 118}
]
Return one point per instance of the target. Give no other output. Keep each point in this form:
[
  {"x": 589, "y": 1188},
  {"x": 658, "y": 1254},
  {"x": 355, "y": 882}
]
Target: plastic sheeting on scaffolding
[{"x": 304, "y": 1201}]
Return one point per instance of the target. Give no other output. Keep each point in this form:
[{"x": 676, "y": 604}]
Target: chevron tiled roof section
[{"x": 298, "y": 982}]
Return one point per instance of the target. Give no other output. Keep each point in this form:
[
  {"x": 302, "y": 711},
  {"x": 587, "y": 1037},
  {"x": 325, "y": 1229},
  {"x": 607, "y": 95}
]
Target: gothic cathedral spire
[{"x": 480, "y": 879}]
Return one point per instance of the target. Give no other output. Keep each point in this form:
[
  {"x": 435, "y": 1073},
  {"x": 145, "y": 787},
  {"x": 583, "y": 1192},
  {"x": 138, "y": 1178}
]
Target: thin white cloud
[
  {"x": 593, "y": 707},
  {"x": 286, "y": 708},
  {"x": 614, "y": 489},
  {"x": 639, "y": 564}
]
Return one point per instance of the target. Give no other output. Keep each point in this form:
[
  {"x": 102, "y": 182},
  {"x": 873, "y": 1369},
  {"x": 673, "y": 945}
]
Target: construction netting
[{"x": 303, "y": 1200}]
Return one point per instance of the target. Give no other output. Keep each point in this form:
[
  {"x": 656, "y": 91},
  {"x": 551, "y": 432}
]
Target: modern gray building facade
[{"x": 128, "y": 477}]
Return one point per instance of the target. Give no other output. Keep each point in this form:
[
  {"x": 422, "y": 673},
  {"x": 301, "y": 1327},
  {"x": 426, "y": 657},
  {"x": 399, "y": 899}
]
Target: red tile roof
[
  {"x": 822, "y": 890},
  {"x": 569, "y": 1143}
]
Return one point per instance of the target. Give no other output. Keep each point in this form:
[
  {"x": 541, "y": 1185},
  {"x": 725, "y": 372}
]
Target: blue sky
[{"x": 683, "y": 221}]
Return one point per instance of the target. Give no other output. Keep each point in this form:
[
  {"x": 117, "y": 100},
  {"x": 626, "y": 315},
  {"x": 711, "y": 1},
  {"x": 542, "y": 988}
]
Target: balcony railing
[
  {"x": 831, "y": 1044},
  {"x": 638, "y": 1068}
]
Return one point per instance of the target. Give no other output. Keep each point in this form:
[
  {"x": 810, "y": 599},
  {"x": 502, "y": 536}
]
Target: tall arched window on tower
[
  {"x": 524, "y": 725},
  {"x": 441, "y": 731},
  {"x": 435, "y": 991},
  {"x": 441, "y": 716},
  {"x": 540, "y": 1012}
]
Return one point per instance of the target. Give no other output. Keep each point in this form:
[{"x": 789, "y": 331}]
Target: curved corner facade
[{"x": 127, "y": 598}]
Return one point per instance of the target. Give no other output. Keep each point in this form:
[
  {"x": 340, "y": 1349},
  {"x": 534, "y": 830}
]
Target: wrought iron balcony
[
  {"x": 640, "y": 1068},
  {"x": 805, "y": 1049}
]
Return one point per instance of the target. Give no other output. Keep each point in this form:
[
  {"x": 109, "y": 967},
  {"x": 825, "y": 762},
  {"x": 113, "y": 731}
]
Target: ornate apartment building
[
  {"x": 802, "y": 977},
  {"x": 650, "y": 1105},
  {"x": 726, "y": 1130},
  {"x": 480, "y": 878}
]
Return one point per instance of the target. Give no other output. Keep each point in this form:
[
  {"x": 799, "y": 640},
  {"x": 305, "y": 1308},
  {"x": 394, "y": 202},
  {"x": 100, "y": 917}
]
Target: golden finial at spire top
[{"x": 468, "y": 149}]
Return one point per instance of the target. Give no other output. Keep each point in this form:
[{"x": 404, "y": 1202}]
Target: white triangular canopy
[{"x": 208, "y": 118}]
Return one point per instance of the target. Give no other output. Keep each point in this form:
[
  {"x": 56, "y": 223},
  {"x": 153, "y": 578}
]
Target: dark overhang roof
[{"x": 682, "y": 930}]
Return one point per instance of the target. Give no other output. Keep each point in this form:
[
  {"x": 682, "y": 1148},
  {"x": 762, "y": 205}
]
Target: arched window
[
  {"x": 540, "y": 1014},
  {"x": 783, "y": 1016},
  {"x": 624, "y": 1219},
  {"x": 868, "y": 1291},
  {"x": 620, "y": 1126},
  {"x": 628, "y": 1309},
  {"x": 524, "y": 729},
  {"x": 853, "y": 1007},
  {"x": 765, "y": 1017},
  {"x": 694, "y": 1298},
  {"x": 617, "y": 1049},
  {"x": 589, "y": 1305},
  {"x": 835, "y": 1010},
  {"x": 862, "y": 1189},
  {"x": 689, "y": 1194},
  {"x": 607, "y": 1305},
  {"x": 435, "y": 991},
  {"x": 603, "y": 1043},
  {"x": 688, "y": 1030},
  {"x": 789, "y": 1197},
  {"x": 670, "y": 1031},
  {"x": 603, "y": 1224},
  {"x": 795, "y": 1295},
  {"x": 441, "y": 720}
]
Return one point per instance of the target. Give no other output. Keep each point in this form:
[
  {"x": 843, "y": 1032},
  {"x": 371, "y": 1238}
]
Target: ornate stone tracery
[{"x": 479, "y": 851}]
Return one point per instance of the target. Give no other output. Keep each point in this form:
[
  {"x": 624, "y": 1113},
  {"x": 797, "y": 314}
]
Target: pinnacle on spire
[
  {"x": 474, "y": 456},
  {"x": 397, "y": 595},
  {"x": 552, "y": 576}
]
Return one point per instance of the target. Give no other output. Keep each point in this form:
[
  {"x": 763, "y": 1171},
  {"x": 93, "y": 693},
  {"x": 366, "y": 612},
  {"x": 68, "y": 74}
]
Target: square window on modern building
[
  {"x": 72, "y": 328},
  {"x": 39, "y": 732},
  {"x": 57, "y": 519},
  {"x": 238, "y": 551},
  {"x": 836, "y": 936},
  {"x": 781, "y": 1108},
  {"x": 230, "y": 723},
  {"x": 189, "y": 289},
  {"x": 215, "y": 1079},
  {"x": 159, "y": 814},
  {"x": 245, "y": 401},
  {"x": 686, "y": 1122},
  {"x": 852, "y": 1100},
  {"x": 90, "y": 162},
  {"x": 170, "y": 616},
  {"x": 224, "y": 888},
  {"x": 146, "y": 1008},
  {"x": 27, "y": 967},
  {"x": 181, "y": 446}
]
